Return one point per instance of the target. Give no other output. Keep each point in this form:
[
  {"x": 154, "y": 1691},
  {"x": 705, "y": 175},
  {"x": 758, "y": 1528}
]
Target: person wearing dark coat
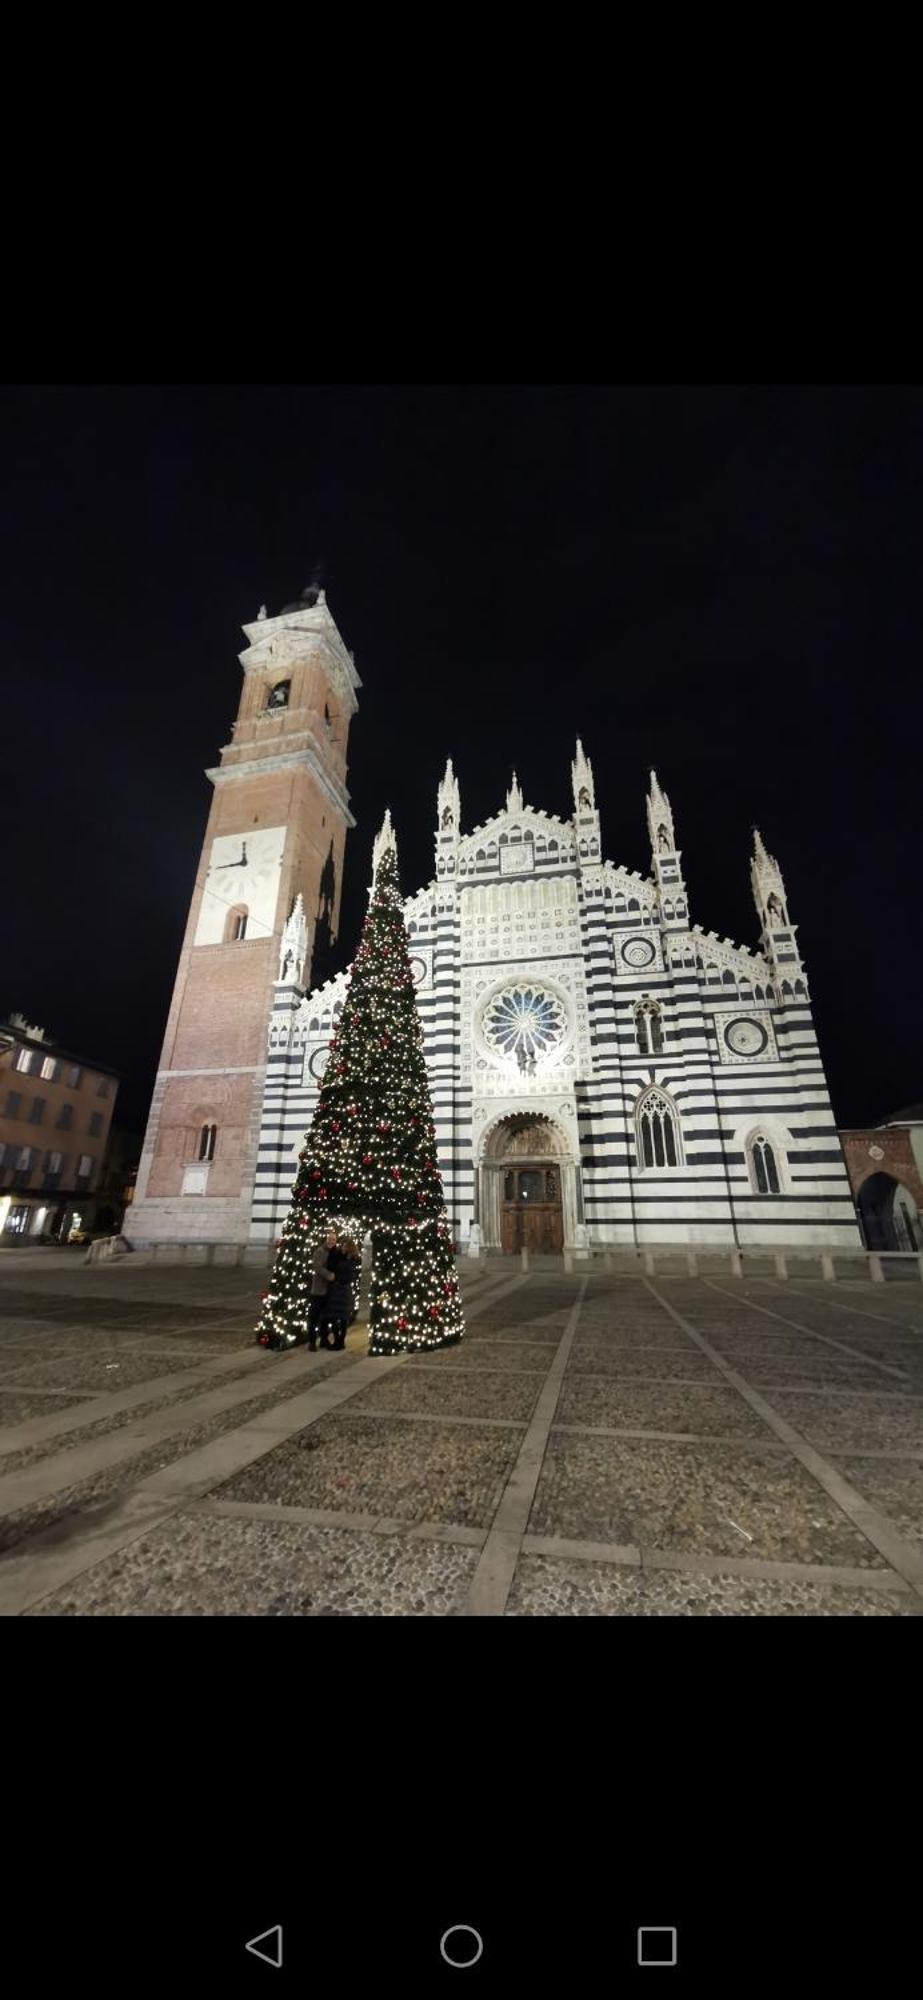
[{"x": 340, "y": 1304}]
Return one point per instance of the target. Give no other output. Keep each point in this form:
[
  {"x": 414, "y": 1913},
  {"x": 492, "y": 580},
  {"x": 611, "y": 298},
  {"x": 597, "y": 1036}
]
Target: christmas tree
[{"x": 369, "y": 1161}]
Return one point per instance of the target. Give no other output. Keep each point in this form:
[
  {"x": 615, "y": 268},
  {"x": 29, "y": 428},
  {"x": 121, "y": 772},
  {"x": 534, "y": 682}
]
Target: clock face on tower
[{"x": 243, "y": 873}]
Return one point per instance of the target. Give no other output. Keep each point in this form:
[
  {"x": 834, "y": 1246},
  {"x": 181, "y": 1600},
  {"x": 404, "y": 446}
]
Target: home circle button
[{"x": 461, "y": 1945}]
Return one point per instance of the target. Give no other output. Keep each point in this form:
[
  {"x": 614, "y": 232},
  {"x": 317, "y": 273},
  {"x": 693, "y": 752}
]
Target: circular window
[
  {"x": 418, "y": 968},
  {"x": 524, "y": 1023},
  {"x": 638, "y": 952},
  {"x": 318, "y": 1063},
  {"x": 746, "y": 1037}
]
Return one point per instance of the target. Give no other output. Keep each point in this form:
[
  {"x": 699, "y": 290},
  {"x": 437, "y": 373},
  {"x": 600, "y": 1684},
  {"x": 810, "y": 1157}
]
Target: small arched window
[
  {"x": 658, "y": 1135},
  {"x": 235, "y": 924},
  {"x": 764, "y": 1172},
  {"x": 648, "y": 1028},
  {"x": 278, "y": 695},
  {"x": 207, "y": 1137}
]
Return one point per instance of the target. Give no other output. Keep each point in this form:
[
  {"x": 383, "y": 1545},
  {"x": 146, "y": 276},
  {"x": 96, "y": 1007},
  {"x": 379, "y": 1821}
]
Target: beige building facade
[{"x": 55, "y": 1114}]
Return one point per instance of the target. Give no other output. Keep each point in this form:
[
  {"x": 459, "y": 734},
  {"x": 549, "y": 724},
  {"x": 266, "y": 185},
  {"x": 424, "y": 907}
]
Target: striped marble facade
[{"x": 676, "y": 1075}]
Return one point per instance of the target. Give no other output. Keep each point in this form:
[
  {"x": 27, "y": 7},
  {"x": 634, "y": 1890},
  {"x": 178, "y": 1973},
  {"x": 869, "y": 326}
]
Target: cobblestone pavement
[{"x": 599, "y": 1445}]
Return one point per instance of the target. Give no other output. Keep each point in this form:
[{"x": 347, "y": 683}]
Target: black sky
[{"x": 720, "y": 581}]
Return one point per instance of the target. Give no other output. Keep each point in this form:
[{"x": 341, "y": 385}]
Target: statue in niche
[
  {"x": 447, "y": 820},
  {"x": 663, "y": 841}
]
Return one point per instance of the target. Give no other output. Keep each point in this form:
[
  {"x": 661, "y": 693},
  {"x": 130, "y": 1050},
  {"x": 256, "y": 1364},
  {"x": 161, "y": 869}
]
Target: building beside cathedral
[{"x": 604, "y": 1071}]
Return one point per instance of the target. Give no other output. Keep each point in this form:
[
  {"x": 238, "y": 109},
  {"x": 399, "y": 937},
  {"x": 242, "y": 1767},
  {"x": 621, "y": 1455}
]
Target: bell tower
[{"x": 272, "y": 856}]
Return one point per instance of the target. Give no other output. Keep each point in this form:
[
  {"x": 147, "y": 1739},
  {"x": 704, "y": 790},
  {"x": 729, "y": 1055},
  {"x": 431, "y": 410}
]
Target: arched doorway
[
  {"x": 890, "y": 1217},
  {"x": 524, "y": 1179}
]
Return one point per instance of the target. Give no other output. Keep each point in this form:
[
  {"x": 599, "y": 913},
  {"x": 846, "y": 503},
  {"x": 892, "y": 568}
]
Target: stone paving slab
[
  {"x": 649, "y": 1364},
  {"x": 149, "y": 1457},
  {"x": 493, "y": 1355},
  {"x": 460, "y": 1392},
  {"x": 545, "y": 1588},
  {"x": 205, "y": 1566},
  {"x": 138, "y": 1412},
  {"x": 90, "y": 1372},
  {"x": 826, "y": 1371},
  {"x": 657, "y": 1406},
  {"x": 706, "y": 1498},
  {"x": 869, "y": 1423},
  {"x": 896, "y": 1486},
  {"x": 413, "y": 1471},
  {"x": 18, "y": 1405},
  {"x": 649, "y": 1340}
]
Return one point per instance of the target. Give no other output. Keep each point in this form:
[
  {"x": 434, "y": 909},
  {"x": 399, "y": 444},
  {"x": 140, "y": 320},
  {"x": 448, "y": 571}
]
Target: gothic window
[
  {"x": 658, "y": 1138},
  {"x": 633, "y": 903},
  {"x": 278, "y": 695},
  {"x": 728, "y": 979},
  {"x": 764, "y": 1173},
  {"x": 207, "y": 1137},
  {"x": 235, "y": 924},
  {"x": 649, "y": 1028}
]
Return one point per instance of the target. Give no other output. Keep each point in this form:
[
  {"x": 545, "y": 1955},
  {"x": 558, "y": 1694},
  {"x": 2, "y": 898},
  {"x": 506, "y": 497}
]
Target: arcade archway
[{"x": 889, "y": 1214}]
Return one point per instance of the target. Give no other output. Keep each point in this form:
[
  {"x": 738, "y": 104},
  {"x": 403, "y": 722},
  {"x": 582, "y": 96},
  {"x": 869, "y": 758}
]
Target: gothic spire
[
  {"x": 581, "y": 777},
  {"x": 768, "y": 886},
  {"x": 385, "y": 838},
  {"x": 660, "y": 819}
]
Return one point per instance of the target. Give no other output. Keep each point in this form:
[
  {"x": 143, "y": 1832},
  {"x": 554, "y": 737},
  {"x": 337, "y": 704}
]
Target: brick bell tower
[{"x": 277, "y": 829}]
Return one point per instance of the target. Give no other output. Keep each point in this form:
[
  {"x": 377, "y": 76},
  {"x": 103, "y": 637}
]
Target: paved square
[{"x": 599, "y": 1445}]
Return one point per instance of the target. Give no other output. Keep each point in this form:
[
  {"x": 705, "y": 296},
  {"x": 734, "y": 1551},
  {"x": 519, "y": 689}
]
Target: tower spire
[
  {"x": 448, "y": 821},
  {"x": 581, "y": 777},
  {"x": 514, "y": 796},
  {"x": 666, "y": 857}
]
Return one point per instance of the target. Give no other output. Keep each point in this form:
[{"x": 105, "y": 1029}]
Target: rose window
[{"x": 524, "y": 1022}]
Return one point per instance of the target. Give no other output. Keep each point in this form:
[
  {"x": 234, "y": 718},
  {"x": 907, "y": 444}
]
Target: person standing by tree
[{"x": 321, "y": 1282}]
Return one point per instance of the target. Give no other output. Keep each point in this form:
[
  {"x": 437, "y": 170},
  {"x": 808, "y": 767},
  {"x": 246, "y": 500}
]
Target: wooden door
[{"x": 531, "y": 1216}]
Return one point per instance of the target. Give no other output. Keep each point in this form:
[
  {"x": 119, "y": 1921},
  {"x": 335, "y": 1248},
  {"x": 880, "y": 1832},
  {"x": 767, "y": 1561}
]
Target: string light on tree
[{"x": 369, "y": 1162}]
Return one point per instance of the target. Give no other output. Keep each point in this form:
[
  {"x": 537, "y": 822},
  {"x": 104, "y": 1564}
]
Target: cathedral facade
[{"x": 604, "y": 1071}]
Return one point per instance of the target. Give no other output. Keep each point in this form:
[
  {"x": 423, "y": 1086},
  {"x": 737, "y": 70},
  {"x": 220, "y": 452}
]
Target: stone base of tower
[{"x": 187, "y": 1220}]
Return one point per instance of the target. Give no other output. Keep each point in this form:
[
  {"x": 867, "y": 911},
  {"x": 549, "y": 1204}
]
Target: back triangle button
[{"x": 268, "y": 1945}]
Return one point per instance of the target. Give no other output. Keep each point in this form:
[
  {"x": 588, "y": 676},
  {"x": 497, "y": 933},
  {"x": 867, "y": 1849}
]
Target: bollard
[
  {"x": 737, "y": 1268},
  {"x": 568, "y": 1260},
  {"x": 781, "y": 1265},
  {"x": 826, "y": 1265},
  {"x": 875, "y": 1270},
  {"x": 649, "y": 1265},
  {"x": 607, "y": 1262},
  {"x": 920, "y": 1266},
  {"x": 524, "y": 1254},
  {"x": 692, "y": 1264}
]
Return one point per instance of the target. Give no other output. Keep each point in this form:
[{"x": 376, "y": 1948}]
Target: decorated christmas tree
[{"x": 369, "y": 1161}]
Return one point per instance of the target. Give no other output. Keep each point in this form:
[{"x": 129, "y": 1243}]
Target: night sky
[{"x": 724, "y": 582}]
